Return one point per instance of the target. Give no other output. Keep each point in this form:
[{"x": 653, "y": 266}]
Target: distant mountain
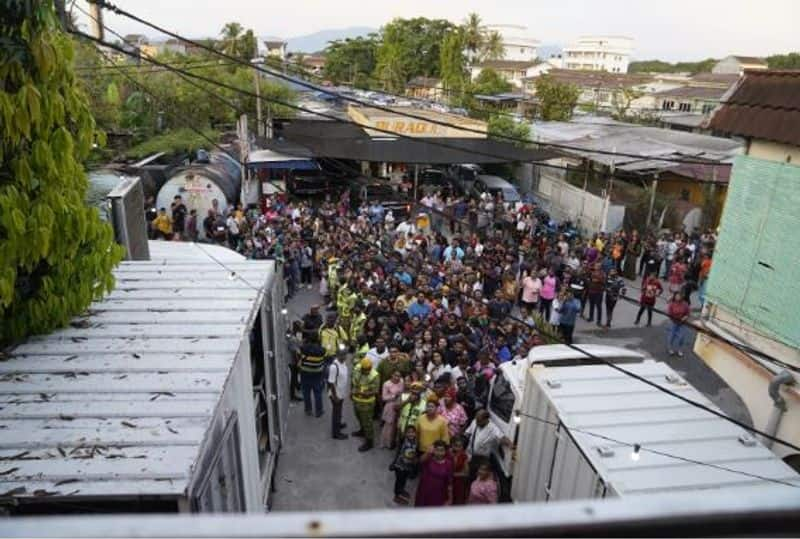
[{"x": 319, "y": 40}]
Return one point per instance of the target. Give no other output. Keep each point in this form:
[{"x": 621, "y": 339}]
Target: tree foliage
[
  {"x": 238, "y": 42},
  {"x": 659, "y": 66},
  {"x": 490, "y": 82},
  {"x": 351, "y": 60},
  {"x": 410, "y": 48},
  {"x": 557, "y": 100},
  {"x": 453, "y": 62},
  {"x": 505, "y": 126},
  {"x": 56, "y": 255},
  {"x": 784, "y": 61}
]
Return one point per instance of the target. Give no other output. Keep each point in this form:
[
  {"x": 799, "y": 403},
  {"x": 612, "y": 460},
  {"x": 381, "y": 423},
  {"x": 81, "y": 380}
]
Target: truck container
[
  {"x": 508, "y": 385},
  {"x": 165, "y": 396},
  {"x": 595, "y": 432}
]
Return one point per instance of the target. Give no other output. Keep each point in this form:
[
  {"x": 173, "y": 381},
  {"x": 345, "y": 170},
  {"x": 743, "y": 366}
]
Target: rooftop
[
  {"x": 587, "y": 135},
  {"x": 693, "y": 92},
  {"x": 507, "y": 64},
  {"x": 765, "y": 104},
  {"x": 722, "y": 79},
  {"x": 119, "y": 402},
  {"x": 602, "y": 401},
  {"x": 599, "y": 79},
  {"x": 750, "y": 60}
]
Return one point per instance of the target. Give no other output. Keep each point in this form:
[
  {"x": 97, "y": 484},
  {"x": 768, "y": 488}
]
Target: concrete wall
[
  {"x": 773, "y": 151},
  {"x": 564, "y": 201},
  {"x": 748, "y": 377}
]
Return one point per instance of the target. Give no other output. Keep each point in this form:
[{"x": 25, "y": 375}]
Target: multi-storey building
[
  {"x": 517, "y": 46},
  {"x": 599, "y": 53}
]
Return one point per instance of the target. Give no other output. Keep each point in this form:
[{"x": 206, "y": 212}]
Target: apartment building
[{"x": 599, "y": 53}]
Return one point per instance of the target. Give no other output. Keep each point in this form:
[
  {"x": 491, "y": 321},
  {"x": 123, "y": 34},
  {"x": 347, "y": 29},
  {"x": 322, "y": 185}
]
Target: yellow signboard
[{"x": 401, "y": 124}]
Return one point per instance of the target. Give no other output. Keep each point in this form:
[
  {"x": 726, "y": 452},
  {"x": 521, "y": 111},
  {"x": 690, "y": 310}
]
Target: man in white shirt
[
  {"x": 338, "y": 386},
  {"x": 378, "y": 353},
  {"x": 405, "y": 228},
  {"x": 484, "y": 439}
]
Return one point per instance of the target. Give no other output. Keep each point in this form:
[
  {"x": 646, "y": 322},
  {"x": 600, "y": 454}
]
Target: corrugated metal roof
[
  {"x": 765, "y": 104},
  {"x": 119, "y": 403},
  {"x": 604, "y": 401},
  {"x": 693, "y": 92}
]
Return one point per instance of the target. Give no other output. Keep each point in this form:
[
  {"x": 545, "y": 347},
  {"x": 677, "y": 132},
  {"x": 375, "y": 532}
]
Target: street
[{"x": 316, "y": 472}]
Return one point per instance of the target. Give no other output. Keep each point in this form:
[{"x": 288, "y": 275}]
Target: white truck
[
  {"x": 508, "y": 384},
  {"x": 591, "y": 431}
]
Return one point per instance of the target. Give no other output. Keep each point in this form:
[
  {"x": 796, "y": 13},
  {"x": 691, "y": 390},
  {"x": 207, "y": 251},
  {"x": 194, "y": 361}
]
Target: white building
[
  {"x": 274, "y": 47},
  {"x": 599, "y": 53},
  {"x": 736, "y": 65},
  {"x": 518, "y": 46}
]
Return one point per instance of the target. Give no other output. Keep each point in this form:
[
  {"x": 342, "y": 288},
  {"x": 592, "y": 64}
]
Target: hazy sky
[{"x": 671, "y": 30}]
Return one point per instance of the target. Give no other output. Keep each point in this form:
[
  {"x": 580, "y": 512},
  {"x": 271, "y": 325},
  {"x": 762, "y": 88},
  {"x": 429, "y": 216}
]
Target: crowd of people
[{"x": 420, "y": 311}]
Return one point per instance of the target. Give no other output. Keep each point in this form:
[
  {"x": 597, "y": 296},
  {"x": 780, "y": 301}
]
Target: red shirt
[
  {"x": 650, "y": 291},
  {"x": 677, "y": 310}
]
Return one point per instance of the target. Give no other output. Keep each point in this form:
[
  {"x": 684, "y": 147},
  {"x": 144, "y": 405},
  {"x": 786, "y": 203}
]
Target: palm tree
[
  {"x": 231, "y": 34},
  {"x": 492, "y": 47},
  {"x": 473, "y": 35}
]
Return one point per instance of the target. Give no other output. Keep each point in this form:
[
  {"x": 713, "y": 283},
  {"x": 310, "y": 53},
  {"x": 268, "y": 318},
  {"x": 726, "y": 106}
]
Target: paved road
[{"x": 318, "y": 473}]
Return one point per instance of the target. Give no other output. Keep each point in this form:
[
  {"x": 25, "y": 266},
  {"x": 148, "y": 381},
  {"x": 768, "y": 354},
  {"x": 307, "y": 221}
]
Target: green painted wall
[{"x": 756, "y": 270}]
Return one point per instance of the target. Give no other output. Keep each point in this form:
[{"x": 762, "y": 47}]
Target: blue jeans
[
  {"x": 312, "y": 382},
  {"x": 701, "y": 292},
  {"x": 675, "y": 336}
]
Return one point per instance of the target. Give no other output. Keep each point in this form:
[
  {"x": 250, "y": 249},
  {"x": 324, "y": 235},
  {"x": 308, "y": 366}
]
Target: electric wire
[
  {"x": 124, "y": 13},
  {"x": 641, "y": 447},
  {"x": 572, "y": 346}
]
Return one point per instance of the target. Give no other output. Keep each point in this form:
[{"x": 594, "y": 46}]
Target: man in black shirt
[{"x": 179, "y": 212}]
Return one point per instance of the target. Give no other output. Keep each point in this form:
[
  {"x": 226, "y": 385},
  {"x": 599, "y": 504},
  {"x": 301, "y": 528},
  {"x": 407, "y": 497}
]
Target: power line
[
  {"x": 311, "y": 86},
  {"x": 695, "y": 327},
  {"x": 639, "y": 447}
]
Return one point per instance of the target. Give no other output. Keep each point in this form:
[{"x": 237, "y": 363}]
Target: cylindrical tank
[{"x": 199, "y": 185}]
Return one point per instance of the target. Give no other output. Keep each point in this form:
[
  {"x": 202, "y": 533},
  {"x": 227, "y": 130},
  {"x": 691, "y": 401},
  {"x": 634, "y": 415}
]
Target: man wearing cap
[
  {"x": 363, "y": 392},
  {"x": 330, "y": 336},
  {"x": 411, "y": 406}
]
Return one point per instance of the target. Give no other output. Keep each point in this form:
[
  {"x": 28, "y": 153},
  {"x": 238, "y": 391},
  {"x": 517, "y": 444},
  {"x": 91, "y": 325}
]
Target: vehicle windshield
[
  {"x": 501, "y": 402},
  {"x": 510, "y": 195}
]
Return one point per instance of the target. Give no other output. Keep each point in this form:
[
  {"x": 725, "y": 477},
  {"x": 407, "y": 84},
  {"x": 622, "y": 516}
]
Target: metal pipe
[{"x": 779, "y": 403}]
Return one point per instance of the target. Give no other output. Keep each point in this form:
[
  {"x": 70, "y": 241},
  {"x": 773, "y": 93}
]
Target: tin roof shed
[
  {"x": 119, "y": 403},
  {"x": 705, "y": 451}
]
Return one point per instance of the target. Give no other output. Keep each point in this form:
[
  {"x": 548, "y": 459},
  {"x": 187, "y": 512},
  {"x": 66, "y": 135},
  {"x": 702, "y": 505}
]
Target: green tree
[
  {"x": 784, "y": 61},
  {"x": 56, "y": 255},
  {"x": 231, "y": 34},
  {"x": 473, "y": 35},
  {"x": 621, "y": 101},
  {"x": 659, "y": 66},
  {"x": 492, "y": 47},
  {"x": 409, "y": 48},
  {"x": 505, "y": 126},
  {"x": 557, "y": 100},
  {"x": 453, "y": 63},
  {"x": 351, "y": 60},
  {"x": 490, "y": 82}
]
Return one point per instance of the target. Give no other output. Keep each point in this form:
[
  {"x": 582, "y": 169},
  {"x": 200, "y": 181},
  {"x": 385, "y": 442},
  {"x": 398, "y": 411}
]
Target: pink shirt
[
  {"x": 456, "y": 418},
  {"x": 549, "y": 287},
  {"x": 483, "y": 492},
  {"x": 530, "y": 289}
]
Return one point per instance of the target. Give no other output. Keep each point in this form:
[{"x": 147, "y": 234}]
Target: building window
[
  {"x": 521, "y": 50},
  {"x": 685, "y": 107},
  {"x": 707, "y": 108},
  {"x": 667, "y": 105}
]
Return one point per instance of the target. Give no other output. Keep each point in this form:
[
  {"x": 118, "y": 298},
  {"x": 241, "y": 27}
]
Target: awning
[
  {"x": 347, "y": 141},
  {"x": 271, "y": 159}
]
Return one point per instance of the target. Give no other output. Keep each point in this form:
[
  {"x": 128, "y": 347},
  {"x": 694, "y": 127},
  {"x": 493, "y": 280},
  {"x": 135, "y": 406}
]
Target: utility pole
[
  {"x": 96, "y": 22},
  {"x": 257, "y": 75}
]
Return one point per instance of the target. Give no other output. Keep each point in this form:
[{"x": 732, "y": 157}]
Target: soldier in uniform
[{"x": 364, "y": 392}]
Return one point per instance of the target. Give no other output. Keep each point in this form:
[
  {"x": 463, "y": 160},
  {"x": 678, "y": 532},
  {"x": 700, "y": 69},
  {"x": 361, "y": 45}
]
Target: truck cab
[{"x": 508, "y": 385}]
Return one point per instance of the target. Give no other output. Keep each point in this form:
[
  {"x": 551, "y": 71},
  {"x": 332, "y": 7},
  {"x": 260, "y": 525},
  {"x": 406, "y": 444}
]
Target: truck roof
[
  {"x": 118, "y": 404},
  {"x": 602, "y": 401},
  {"x": 555, "y": 354}
]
